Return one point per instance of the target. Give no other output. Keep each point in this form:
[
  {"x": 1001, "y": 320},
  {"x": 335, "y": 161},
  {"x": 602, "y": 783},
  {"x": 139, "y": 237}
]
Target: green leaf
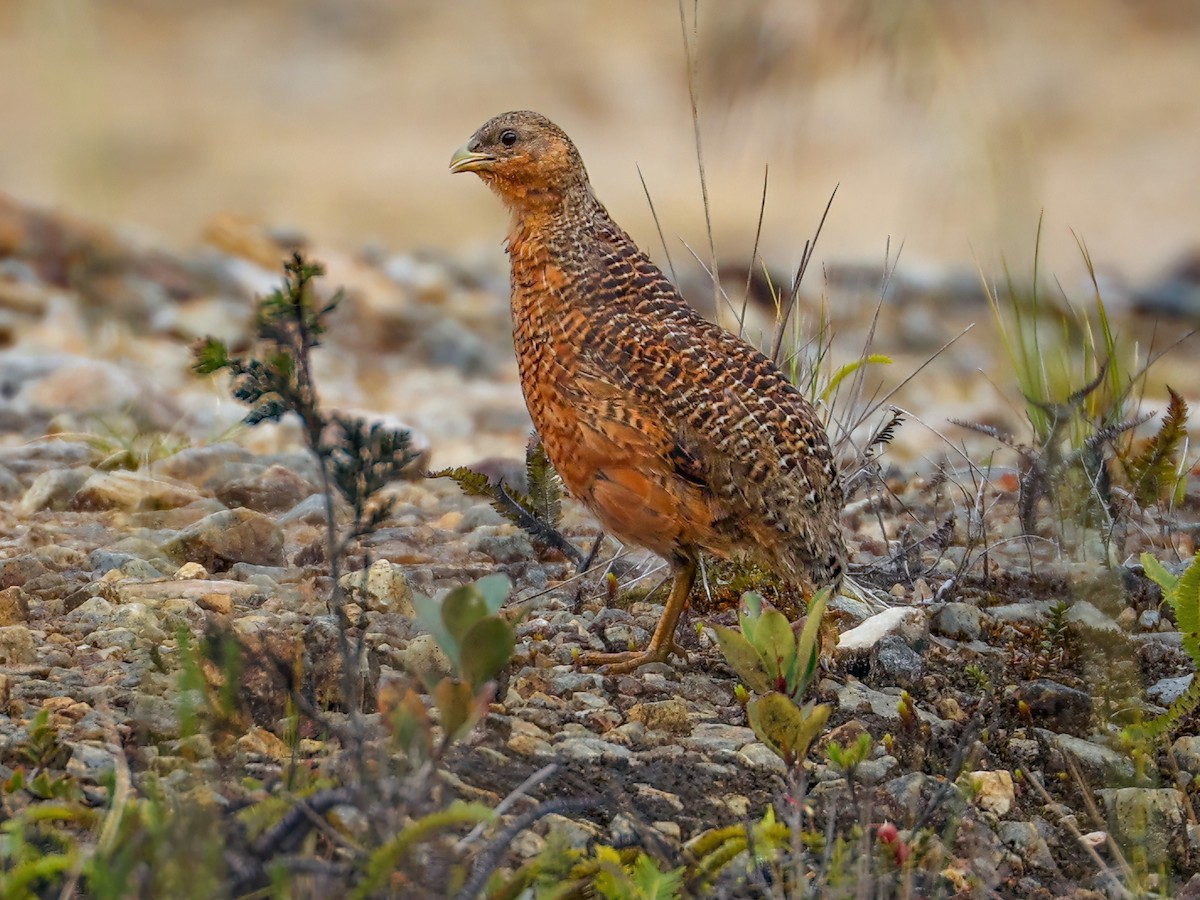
[
  {"x": 455, "y": 702},
  {"x": 461, "y": 609},
  {"x": 1186, "y": 603},
  {"x": 429, "y": 615},
  {"x": 654, "y": 884},
  {"x": 744, "y": 659},
  {"x": 808, "y": 651},
  {"x": 783, "y": 726},
  {"x": 1159, "y": 574},
  {"x": 486, "y": 649},
  {"x": 495, "y": 590},
  {"x": 776, "y": 644},
  {"x": 750, "y": 614}
]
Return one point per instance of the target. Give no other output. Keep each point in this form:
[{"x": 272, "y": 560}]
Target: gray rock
[
  {"x": 905, "y": 621},
  {"x": 591, "y": 749},
  {"x": 708, "y": 737},
  {"x": 958, "y": 621},
  {"x": 503, "y": 543},
  {"x": 1150, "y": 818},
  {"x": 875, "y": 771},
  {"x": 1100, "y": 765},
  {"x": 758, "y": 757},
  {"x": 227, "y": 537},
  {"x": 272, "y": 490},
  {"x": 132, "y": 491},
  {"x": 53, "y": 490},
  {"x": 16, "y": 645},
  {"x": 1167, "y": 690},
  {"x": 894, "y": 662},
  {"x": 855, "y": 697},
  {"x": 1055, "y": 705},
  {"x": 1187, "y": 753},
  {"x": 382, "y": 588},
  {"x": 1085, "y": 615}
]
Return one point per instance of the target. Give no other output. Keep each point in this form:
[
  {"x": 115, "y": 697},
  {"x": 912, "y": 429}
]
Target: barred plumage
[{"x": 680, "y": 437}]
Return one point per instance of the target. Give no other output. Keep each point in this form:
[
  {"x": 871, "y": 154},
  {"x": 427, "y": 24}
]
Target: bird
[{"x": 678, "y": 436}]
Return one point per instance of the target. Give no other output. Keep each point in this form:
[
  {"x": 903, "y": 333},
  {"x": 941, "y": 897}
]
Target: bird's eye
[{"x": 508, "y": 137}]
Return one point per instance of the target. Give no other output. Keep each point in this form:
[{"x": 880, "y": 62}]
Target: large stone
[
  {"x": 1100, "y": 764},
  {"x": 905, "y": 621},
  {"x": 382, "y": 588},
  {"x": 1056, "y": 706},
  {"x": 227, "y": 537},
  {"x": 275, "y": 489},
  {"x": 894, "y": 662},
  {"x": 993, "y": 791},
  {"x": 132, "y": 491},
  {"x": 1151, "y": 819},
  {"x": 958, "y": 621},
  {"x": 662, "y": 715},
  {"x": 16, "y": 646},
  {"x": 53, "y": 490},
  {"x": 14, "y": 606}
]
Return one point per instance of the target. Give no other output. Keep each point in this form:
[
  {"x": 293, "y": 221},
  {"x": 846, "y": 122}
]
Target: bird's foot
[{"x": 622, "y": 663}]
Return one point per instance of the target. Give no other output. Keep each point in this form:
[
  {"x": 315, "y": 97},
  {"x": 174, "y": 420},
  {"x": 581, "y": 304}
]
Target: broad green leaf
[
  {"x": 776, "y": 720},
  {"x": 461, "y": 609},
  {"x": 486, "y": 649},
  {"x": 808, "y": 651},
  {"x": 776, "y": 644},
  {"x": 455, "y": 702},
  {"x": 744, "y": 659},
  {"x": 429, "y": 615},
  {"x": 748, "y": 618},
  {"x": 495, "y": 590},
  {"x": 783, "y": 726}
]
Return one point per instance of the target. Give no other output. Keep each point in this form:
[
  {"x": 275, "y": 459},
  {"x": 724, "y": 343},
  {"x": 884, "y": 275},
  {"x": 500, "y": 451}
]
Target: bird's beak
[{"x": 465, "y": 160}]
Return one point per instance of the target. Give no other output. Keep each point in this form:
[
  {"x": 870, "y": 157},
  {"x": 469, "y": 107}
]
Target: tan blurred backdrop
[{"x": 948, "y": 125}]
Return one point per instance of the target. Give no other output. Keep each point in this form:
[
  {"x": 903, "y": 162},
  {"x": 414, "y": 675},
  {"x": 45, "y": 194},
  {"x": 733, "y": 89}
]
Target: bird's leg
[{"x": 662, "y": 644}]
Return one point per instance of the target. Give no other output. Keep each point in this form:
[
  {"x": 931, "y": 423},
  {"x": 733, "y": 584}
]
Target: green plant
[
  {"x": 773, "y": 663},
  {"x": 1182, "y": 594},
  {"x": 538, "y": 512},
  {"x": 1158, "y": 473},
  {"x": 356, "y": 458}
]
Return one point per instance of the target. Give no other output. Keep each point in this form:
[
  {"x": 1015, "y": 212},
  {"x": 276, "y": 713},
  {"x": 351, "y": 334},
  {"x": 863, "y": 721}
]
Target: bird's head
[{"x": 526, "y": 159}]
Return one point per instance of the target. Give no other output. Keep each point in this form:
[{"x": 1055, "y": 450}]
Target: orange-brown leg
[{"x": 662, "y": 644}]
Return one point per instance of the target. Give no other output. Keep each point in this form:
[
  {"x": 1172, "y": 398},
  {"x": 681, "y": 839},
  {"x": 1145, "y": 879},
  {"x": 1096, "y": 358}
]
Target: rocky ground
[{"x": 134, "y": 509}]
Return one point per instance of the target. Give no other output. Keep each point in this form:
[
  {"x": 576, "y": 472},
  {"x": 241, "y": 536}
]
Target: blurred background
[
  {"x": 947, "y": 125},
  {"x": 224, "y": 133}
]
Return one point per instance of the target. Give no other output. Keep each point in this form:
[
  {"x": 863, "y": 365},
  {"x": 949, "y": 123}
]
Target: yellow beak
[{"x": 465, "y": 160}]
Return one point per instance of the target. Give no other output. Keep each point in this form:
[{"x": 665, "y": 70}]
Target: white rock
[
  {"x": 907, "y": 622},
  {"x": 993, "y": 791}
]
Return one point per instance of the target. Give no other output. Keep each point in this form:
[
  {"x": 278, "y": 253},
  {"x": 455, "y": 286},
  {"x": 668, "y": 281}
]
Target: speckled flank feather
[{"x": 679, "y": 436}]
